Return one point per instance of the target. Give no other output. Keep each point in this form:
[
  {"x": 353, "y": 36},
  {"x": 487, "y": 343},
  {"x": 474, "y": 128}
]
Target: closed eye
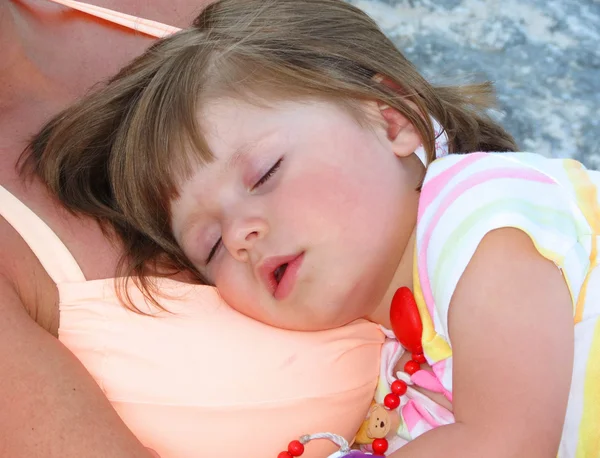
[
  {"x": 268, "y": 175},
  {"x": 213, "y": 251}
]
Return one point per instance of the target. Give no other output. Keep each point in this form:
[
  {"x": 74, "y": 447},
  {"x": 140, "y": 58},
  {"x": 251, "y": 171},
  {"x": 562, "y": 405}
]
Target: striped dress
[{"x": 554, "y": 201}]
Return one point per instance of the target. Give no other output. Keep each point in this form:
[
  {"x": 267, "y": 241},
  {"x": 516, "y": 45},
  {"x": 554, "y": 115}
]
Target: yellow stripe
[
  {"x": 559, "y": 260},
  {"x": 435, "y": 346},
  {"x": 583, "y": 291},
  {"x": 589, "y": 428},
  {"x": 587, "y": 200}
]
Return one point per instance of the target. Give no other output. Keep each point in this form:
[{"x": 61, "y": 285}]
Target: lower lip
[{"x": 286, "y": 285}]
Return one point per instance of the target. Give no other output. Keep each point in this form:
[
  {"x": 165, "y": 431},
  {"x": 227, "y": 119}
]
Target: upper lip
[{"x": 266, "y": 269}]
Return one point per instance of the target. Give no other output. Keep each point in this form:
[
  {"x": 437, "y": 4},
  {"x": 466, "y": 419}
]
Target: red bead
[
  {"x": 411, "y": 367},
  {"x": 296, "y": 448},
  {"x": 380, "y": 446},
  {"x": 406, "y": 321},
  {"x": 419, "y": 358},
  {"x": 399, "y": 387},
  {"x": 284, "y": 455},
  {"x": 391, "y": 401}
]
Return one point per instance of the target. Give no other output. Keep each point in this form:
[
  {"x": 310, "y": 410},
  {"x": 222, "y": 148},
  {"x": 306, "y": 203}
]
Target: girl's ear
[{"x": 401, "y": 133}]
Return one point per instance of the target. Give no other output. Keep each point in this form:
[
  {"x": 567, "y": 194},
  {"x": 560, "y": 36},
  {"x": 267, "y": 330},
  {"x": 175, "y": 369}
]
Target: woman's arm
[
  {"x": 511, "y": 326},
  {"x": 49, "y": 405}
]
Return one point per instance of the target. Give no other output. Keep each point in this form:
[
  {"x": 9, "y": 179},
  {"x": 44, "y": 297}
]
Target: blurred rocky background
[{"x": 542, "y": 55}]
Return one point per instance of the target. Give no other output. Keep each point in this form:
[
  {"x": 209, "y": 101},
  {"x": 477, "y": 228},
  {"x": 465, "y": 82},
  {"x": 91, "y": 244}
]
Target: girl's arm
[{"x": 511, "y": 327}]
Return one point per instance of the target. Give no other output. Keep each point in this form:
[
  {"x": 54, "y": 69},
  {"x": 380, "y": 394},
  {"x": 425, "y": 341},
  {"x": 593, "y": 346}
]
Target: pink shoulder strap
[
  {"x": 146, "y": 26},
  {"x": 45, "y": 244}
]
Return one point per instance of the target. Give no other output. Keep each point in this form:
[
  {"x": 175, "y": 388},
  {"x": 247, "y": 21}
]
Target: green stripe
[{"x": 559, "y": 220}]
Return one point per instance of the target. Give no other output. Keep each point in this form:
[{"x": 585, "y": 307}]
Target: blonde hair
[{"x": 118, "y": 154}]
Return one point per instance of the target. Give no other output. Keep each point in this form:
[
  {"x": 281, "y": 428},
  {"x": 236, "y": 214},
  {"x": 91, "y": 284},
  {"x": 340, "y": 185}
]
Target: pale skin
[
  {"x": 511, "y": 374},
  {"x": 50, "y": 56}
]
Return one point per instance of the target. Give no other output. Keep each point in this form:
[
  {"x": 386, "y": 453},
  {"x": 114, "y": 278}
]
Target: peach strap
[
  {"x": 146, "y": 26},
  {"x": 45, "y": 244}
]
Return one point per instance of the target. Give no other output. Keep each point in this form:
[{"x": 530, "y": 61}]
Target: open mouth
[{"x": 279, "y": 272}]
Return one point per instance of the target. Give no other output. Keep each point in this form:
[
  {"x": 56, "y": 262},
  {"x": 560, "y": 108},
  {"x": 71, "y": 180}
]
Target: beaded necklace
[{"x": 408, "y": 329}]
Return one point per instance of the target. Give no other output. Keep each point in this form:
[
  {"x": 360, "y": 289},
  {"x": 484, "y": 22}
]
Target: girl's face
[{"x": 302, "y": 218}]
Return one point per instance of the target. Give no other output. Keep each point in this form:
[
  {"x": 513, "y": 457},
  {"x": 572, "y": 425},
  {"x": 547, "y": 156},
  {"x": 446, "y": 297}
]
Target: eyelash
[
  {"x": 213, "y": 250},
  {"x": 268, "y": 175},
  {"x": 258, "y": 184}
]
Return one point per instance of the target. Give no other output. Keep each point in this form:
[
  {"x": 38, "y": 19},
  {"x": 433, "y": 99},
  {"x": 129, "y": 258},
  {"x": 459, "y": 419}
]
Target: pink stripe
[
  {"x": 439, "y": 369},
  {"x": 434, "y": 186},
  {"x": 410, "y": 415},
  {"x": 424, "y": 414},
  {"x": 427, "y": 380},
  {"x": 460, "y": 188}
]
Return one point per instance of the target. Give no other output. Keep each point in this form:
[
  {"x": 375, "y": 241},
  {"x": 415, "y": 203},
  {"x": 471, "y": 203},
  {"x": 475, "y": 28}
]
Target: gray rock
[{"x": 542, "y": 55}]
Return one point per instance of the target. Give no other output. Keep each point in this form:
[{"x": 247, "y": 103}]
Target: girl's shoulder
[
  {"x": 474, "y": 163},
  {"x": 465, "y": 197},
  {"x": 513, "y": 177},
  {"x": 483, "y": 191}
]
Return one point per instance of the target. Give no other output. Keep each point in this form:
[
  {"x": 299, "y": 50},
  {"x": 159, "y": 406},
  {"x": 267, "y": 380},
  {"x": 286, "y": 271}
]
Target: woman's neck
[
  {"x": 402, "y": 277},
  {"x": 61, "y": 51},
  {"x": 49, "y": 57},
  {"x": 25, "y": 71},
  {"x": 11, "y": 49}
]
